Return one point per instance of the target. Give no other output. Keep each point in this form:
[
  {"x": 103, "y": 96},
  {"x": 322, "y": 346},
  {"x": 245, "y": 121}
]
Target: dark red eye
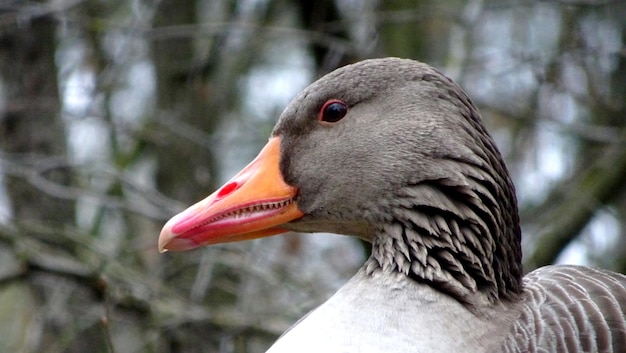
[{"x": 333, "y": 111}]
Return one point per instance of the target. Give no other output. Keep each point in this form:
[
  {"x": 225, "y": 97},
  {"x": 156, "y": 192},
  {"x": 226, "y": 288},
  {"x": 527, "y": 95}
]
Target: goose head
[{"x": 388, "y": 150}]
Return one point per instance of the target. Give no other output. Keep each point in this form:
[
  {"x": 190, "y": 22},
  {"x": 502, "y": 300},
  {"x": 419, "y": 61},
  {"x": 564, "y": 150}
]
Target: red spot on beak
[{"x": 227, "y": 189}]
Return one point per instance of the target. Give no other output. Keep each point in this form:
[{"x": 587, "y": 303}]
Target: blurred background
[{"x": 115, "y": 115}]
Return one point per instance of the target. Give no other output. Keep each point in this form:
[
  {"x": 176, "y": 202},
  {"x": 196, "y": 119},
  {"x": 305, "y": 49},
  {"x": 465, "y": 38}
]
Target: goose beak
[{"x": 253, "y": 204}]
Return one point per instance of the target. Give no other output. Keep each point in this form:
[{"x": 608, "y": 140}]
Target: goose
[{"x": 393, "y": 152}]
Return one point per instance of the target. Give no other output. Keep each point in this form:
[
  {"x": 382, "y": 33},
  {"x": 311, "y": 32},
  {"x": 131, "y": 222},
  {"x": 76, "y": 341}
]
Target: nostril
[{"x": 227, "y": 189}]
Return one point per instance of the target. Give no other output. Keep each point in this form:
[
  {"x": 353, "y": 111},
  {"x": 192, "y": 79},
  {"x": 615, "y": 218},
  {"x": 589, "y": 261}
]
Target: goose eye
[{"x": 333, "y": 111}]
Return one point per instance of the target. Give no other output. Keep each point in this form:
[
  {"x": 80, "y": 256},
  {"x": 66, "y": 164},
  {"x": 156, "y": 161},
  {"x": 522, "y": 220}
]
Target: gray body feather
[{"x": 570, "y": 309}]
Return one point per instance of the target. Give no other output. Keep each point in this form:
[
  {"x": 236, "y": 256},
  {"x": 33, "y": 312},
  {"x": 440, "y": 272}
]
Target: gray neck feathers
[
  {"x": 452, "y": 241},
  {"x": 457, "y": 231}
]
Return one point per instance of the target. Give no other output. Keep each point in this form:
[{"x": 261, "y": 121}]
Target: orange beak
[{"x": 253, "y": 204}]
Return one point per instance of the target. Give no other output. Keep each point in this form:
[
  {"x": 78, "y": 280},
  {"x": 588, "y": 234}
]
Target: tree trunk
[{"x": 31, "y": 129}]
